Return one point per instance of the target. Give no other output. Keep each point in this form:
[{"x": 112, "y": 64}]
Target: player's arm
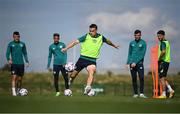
[
  {"x": 8, "y": 52},
  {"x": 109, "y": 42},
  {"x": 25, "y": 54},
  {"x": 72, "y": 44},
  {"x": 75, "y": 42},
  {"x": 49, "y": 57}
]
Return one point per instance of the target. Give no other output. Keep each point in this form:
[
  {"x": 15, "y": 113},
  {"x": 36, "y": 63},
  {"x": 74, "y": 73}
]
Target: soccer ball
[
  {"x": 23, "y": 92},
  {"x": 67, "y": 92},
  {"x": 69, "y": 66},
  {"x": 91, "y": 93}
]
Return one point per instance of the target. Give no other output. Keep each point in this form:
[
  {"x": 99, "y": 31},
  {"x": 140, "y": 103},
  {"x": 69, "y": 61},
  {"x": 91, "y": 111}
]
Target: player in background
[
  {"x": 15, "y": 55},
  {"x": 164, "y": 59},
  {"x": 59, "y": 62}
]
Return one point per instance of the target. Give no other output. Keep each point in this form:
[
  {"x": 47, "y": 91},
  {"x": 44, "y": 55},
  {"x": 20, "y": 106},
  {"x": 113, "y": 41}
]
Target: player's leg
[
  {"x": 13, "y": 79},
  {"x": 78, "y": 67},
  {"x": 65, "y": 76},
  {"x": 162, "y": 76},
  {"x": 166, "y": 67},
  {"x": 170, "y": 89},
  {"x": 91, "y": 70},
  {"x": 56, "y": 70},
  {"x": 13, "y": 84},
  {"x": 20, "y": 74},
  {"x": 140, "y": 69},
  {"x": 134, "y": 80},
  {"x": 72, "y": 76}
]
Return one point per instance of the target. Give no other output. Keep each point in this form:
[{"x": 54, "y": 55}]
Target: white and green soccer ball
[
  {"x": 23, "y": 92},
  {"x": 70, "y": 66},
  {"x": 67, "y": 92}
]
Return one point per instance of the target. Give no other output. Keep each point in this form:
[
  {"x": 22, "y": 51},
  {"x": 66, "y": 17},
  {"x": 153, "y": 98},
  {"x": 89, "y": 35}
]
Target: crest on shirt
[
  {"x": 140, "y": 45},
  {"x": 60, "y": 46},
  {"x": 21, "y": 45},
  {"x": 94, "y": 40}
]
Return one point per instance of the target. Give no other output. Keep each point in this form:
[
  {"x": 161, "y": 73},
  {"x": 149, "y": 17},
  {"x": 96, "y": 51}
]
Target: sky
[{"x": 37, "y": 20}]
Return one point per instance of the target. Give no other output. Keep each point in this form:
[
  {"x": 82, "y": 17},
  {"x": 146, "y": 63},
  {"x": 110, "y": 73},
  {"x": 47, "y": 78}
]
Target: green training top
[
  {"x": 137, "y": 50},
  {"x": 60, "y": 58},
  {"x": 17, "y": 50},
  {"x": 164, "y": 45}
]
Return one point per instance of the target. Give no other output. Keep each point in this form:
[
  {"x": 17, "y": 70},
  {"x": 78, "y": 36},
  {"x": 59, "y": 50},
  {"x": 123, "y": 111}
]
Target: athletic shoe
[
  {"x": 135, "y": 96},
  {"x": 142, "y": 96},
  {"x": 57, "y": 94},
  {"x": 162, "y": 97},
  {"x": 171, "y": 95},
  {"x": 87, "y": 89}
]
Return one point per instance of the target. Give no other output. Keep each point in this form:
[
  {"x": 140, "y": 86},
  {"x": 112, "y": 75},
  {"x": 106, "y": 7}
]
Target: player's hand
[
  {"x": 49, "y": 69},
  {"x": 10, "y": 62},
  {"x": 27, "y": 65},
  {"x": 116, "y": 46},
  {"x": 133, "y": 65},
  {"x": 126, "y": 66},
  {"x": 64, "y": 50}
]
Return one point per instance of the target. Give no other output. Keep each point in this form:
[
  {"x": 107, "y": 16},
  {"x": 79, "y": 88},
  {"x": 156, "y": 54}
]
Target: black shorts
[
  {"x": 82, "y": 63},
  {"x": 17, "y": 69},
  {"x": 57, "y": 69},
  {"x": 163, "y": 68}
]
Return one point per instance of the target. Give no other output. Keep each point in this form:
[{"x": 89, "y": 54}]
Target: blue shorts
[{"x": 83, "y": 63}]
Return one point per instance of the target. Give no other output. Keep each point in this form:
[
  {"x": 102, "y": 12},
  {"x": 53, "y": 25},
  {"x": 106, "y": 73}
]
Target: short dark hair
[
  {"x": 93, "y": 26},
  {"x": 162, "y": 32},
  {"x": 55, "y": 34},
  {"x": 137, "y": 31},
  {"x": 16, "y": 33}
]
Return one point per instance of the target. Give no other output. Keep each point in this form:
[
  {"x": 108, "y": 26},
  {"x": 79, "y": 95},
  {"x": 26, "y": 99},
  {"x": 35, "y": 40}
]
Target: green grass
[
  {"x": 116, "y": 98},
  {"x": 79, "y": 103}
]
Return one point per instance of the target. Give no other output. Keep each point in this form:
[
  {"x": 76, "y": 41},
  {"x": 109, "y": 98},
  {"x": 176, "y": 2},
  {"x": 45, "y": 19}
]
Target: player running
[
  {"x": 91, "y": 44},
  {"x": 60, "y": 59},
  {"x": 137, "y": 50},
  {"x": 164, "y": 59},
  {"x": 16, "y": 50}
]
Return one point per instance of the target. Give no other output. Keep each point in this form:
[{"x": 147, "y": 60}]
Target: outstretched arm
[
  {"x": 112, "y": 44},
  {"x": 72, "y": 44}
]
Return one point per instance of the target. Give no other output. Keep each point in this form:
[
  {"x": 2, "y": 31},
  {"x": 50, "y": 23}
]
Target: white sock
[
  {"x": 13, "y": 91},
  {"x": 164, "y": 93},
  {"x": 169, "y": 87}
]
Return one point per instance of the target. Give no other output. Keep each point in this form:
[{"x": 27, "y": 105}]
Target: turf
[{"x": 84, "y": 104}]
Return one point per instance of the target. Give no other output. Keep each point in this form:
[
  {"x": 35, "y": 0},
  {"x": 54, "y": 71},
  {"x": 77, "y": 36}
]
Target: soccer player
[
  {"x": 91, "y": 44},
  {"x": 137, "y": 50},
  {"x": 163, "y": 63},
  {"x": 16, "y": 50},
  {"x": 60, "y": 59}
]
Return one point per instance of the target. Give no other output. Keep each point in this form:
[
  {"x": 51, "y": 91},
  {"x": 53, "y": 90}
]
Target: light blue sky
[{"x": 37, "y": 20}]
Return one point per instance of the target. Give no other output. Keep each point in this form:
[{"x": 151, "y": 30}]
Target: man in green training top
[
  {"x": 91, "y": 44},
  {"x": 16, "y": 50},
  {"x": 60, "y": 59},
  {"x": 164, "y": 59},
  {"x": 137, "y": 51}
]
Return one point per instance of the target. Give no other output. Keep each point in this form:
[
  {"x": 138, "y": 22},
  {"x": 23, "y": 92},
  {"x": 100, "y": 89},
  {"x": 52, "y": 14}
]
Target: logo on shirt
[
  {"x": 132, "y": 45},
  {"x": 140, "y": 45},
  {"x": 53, "y": 48},
  {"x": 13, "y": 45},
  {"x": 21, "y": 45},
  {"x": 60, "y": 46},
  {"x": 94, "y": 40}
]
